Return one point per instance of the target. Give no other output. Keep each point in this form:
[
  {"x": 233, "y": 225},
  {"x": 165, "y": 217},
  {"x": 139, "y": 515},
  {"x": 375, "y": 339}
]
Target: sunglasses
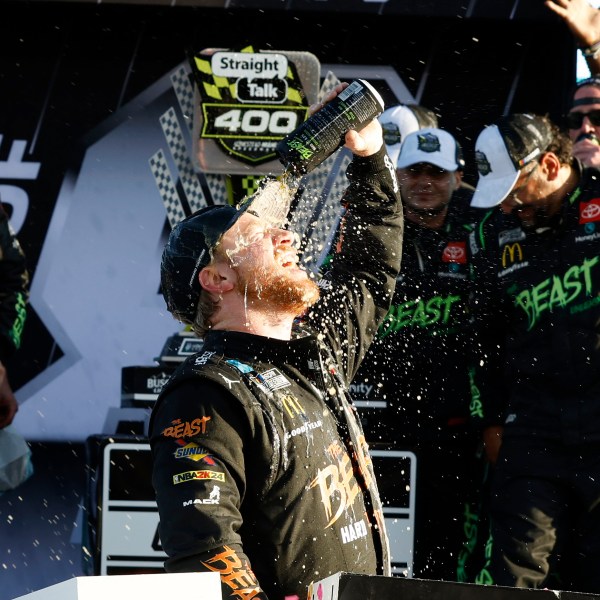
[{"x": 575, "y": 119}]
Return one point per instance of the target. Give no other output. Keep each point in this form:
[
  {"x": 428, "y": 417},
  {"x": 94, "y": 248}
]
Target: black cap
[
  {"x": 187, "y": 252},
  {"x": 590, "y": 81},
  {"x": 191, "y": 242}
]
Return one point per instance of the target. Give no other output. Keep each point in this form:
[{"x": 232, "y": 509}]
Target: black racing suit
[
  {"x": 260, "y": 466},
  {"x": 412, "y": 390},
  {"x": 537, "y": 306}
]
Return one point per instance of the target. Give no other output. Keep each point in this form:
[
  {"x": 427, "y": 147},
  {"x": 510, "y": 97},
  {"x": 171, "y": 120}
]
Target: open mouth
[{"x": 287, "y": 260}]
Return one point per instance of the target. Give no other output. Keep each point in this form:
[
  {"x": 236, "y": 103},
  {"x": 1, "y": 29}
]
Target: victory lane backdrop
[{"x": 83, "y": 92}]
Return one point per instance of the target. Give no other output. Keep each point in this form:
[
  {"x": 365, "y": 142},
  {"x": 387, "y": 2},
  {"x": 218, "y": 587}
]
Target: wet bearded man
[
  {"x": 536, "y": 360},
  {"x": 261, "y": 262},
  {"x": 278, "y": 490}
]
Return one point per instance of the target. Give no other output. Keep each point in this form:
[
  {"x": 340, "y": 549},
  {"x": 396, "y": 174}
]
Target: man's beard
[{"x": 278, "y": 292}]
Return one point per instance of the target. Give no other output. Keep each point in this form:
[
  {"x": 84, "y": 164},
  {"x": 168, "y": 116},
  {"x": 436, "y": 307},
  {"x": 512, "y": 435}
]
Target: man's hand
[
  {"x": 581, "y": 17},
  {"x": 367, "y": 141},
  {"x": 8, "y": 402},
  {"x": 588, "y": 152}
]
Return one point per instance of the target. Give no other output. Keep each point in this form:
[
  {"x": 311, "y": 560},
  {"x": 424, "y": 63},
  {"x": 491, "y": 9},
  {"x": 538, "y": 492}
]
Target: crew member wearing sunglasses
[{"x": 583, "y": 122}]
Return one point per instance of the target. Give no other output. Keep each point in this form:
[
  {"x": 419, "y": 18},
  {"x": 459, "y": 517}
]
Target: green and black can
[{"x": 323, "y": 133}]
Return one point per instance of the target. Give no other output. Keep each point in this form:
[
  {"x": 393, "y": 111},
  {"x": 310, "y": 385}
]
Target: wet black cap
[
  {"x": 187, "y": 252},
  {"x": 192, "y": 241}
]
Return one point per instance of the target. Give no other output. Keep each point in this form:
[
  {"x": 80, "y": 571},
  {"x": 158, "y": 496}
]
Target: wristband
[{"x": 592, "y": 51}]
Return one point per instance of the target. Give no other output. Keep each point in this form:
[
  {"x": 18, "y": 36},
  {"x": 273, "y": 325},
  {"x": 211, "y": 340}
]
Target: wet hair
[
  {"x": 560, "y": 143},
  {"x": 206, "y": 307}
]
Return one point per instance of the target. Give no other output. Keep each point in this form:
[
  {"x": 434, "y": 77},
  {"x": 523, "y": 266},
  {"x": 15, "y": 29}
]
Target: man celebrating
[
  {"x": 537, "y": 382},
  {"x": 583, "y": 121},
  {"x": 260, "y": 467},
  {"x": 413, "y": 387}
]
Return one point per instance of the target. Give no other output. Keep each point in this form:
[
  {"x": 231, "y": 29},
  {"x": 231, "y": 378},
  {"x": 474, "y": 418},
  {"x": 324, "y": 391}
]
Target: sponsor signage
[
  {"x": 511, "y": 253},
  {"x": 246, "y": 101}
]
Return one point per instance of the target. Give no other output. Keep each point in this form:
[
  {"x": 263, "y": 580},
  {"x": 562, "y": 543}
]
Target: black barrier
[{"x": 347, "y": 586}]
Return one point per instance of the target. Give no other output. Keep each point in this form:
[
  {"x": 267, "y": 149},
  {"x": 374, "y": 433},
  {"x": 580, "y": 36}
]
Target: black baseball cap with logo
[
  {"x": 502, "y": 150},
  {"x": 191, "y": 243}
]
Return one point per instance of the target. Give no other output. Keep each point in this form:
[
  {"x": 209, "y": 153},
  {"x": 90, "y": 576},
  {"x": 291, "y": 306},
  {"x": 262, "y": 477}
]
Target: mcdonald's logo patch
[
  {"x": 511, "y": 254},
  {"x": 455, "y": 252},
  {"x": 589, "y": 211}
]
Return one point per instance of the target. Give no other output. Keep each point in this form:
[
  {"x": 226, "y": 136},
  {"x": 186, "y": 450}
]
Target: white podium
[{"x": 159, "y": 586}]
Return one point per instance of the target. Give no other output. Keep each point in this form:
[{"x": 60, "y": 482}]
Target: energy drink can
[{"x": 323, "y": 133}]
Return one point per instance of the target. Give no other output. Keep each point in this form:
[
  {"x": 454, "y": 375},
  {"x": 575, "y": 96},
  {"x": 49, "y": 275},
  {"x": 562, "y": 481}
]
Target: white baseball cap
[
  {"x": 502, "y": 150},
  {"x": 398, "y": 121},
  {"x": 433, "y": 146}
]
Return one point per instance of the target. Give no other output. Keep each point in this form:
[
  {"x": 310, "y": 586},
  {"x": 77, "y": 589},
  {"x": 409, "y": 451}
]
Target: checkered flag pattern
[
  {"x": 218, "y": 188},
  {"x": 184, "y": 90},
  {"x": 177, "y": 146},
  {"x": 329, "y": 82},
  {"x": 250, "y": 183},
  {"x": 166, "y": 187}
]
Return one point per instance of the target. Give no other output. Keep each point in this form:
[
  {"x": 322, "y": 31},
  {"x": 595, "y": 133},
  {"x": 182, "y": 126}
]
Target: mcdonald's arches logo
[{"x": 511, "y": 253}]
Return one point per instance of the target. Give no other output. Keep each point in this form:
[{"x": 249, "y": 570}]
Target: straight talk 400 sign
[{"x": 245, "y": 102}]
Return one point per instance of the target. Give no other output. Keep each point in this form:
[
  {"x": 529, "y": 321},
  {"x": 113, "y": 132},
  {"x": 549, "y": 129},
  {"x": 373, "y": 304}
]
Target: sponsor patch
[
  {"x": 510, "y": 236},
  {"x": 589, "y": 212},
  {"x": 512, "y": 253},
  {"x": 203, "y": 358},
  {"x": 185, "y": 429},
  {"x": 194, "y": 452},
  {"x": 273, "y": 379},
  {"x": 353, "y": 531},
  {"x": 213, "y": 498},
  {"x": 235, "y": 573},
  {"x": 455, "y": 252},
  {"x": 428, "y": 142},
  {"x": 197, "y": 476},
  {"x": 483, "y": 164},
  {"x": 304, "y": 429}
]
